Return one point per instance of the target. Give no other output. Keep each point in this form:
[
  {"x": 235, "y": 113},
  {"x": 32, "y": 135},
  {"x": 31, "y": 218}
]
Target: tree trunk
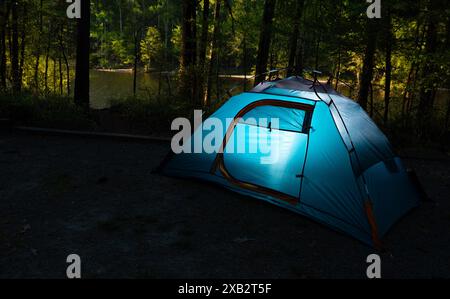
[
  {"x": 15, "y": 72},
  {"x": 387, "y": 87},
  {"x": 338, "y": 70},
  {"x": 203, "y": 47},
  {"x": 407, "y": 93},
  {"x": 295, "y": 37},
  {"x": 136, "y": 60},
  {"x": 46, "y": 71},
  {"x": 372, "y": 104},
  {"x": 66, "y": 61},
  {"x": 5, "y": 16},
  {"x": 299, "y": 59},
  {"x": 265, "y": 40},
  {"x": 47, "y": 54},
  {"x": 119, "y": 4},
  {"x": 368, "y": 65},
  {"x": 317, "y": 53},
  {"x": 244, "y": 59},
  {"x": 54, "y": 74},
  {"x": 214, "y": 52},
  {"x": 61, "y": 80},
  {"x": 189, "y": 50},
  {"x": 447, "y": 83},
  {"x": 22, "y": 44},
  {"x": 38, "y": 48},
  {"x": 82, "y": 63},
  {"x": 204, "y": 37},
  {"x": 427, "y": 90}
]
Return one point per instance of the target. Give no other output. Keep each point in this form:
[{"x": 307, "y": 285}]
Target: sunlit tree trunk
[
  {"x": 47, "y": 55},
  {"x": 66, "y": 61},
  {"x": 54, "y": 74},
  {"x": 338, "y": 69},
  {"x": 61, "y": 79},
  {"x": 389, "y": 45},
  {"x": 265, "y": 40}
]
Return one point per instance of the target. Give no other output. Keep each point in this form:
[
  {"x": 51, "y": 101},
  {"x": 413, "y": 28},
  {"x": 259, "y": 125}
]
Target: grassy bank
[
  {"x": 49, "y": 112},
  {"x": 149, "y": 115}
]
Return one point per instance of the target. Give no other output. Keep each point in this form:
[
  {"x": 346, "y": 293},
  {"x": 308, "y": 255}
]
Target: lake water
[{"x": 108, "y": 85}]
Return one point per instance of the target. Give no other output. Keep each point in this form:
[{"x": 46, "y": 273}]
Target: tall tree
[
  {"x": 265, "y": 40},
  {"x": 15, "y": 71},
  {"x": 428, "y": 90},
  {"x": 203, "y": 45},
  {"x": 188, "y": 50},
  {"x": 83, "y": 49},
  {"x": 23, "y": 41},
  {"x": 214, "y": 51},
  {"x": 5, "y": 9},
  {"x": 368, "y": 64},
  {"x": 38, "y": 47},
  {"x": 447, "y": 83},
  {"x": 204, "y": 36},
  {"x": 295, "y": 37},
  {"x": 66, "y": 60},
  {"x": 389, "y": 45}
]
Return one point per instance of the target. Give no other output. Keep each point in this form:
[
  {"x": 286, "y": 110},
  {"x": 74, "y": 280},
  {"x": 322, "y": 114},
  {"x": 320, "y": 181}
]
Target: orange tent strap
[{"x": 373, "y": 225}]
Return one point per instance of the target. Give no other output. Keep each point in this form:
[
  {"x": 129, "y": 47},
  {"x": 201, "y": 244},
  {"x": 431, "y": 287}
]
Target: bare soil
[{"x": 100, "y": 200}]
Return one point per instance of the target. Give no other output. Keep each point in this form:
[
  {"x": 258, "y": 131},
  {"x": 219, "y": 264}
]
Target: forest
[{"x": 397, "y": 66}]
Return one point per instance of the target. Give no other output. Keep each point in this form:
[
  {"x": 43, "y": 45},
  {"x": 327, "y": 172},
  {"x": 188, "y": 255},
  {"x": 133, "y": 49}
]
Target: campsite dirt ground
[{"x": 100, "y": 200}]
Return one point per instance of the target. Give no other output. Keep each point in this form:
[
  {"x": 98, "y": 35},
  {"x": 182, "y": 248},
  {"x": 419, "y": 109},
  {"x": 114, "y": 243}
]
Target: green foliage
[
  {"x": 176, "y": 40},
  {"x": 151, "y": 48}
]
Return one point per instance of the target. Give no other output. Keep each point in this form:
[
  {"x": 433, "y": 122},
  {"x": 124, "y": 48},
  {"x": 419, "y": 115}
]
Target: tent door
[{"x": 265, "y": 159}]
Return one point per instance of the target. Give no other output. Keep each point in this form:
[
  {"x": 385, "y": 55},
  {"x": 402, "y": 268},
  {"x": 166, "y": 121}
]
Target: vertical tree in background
[
  {"x": 265, "y": 40},
  {"x": 82, "y": 64},
  {"x": 389, "y": 44},
  {"x": 447, "y": 78},
  {"x": 188, "y": 50},
  {"x": 38, "y": 48},
  {"x": 5, "y": 9},
  {"x": 295, "y": 38},
  {"x": 428, "y": 90},
  {"x": 23, "y": 36},
  {"x": 203, "y": 46},
  {"x": 368, "y": 64},
  {"x": 204, "y": 36},
  {"x": 214, "y": 51},
  {"x": 15, "y": 72}
]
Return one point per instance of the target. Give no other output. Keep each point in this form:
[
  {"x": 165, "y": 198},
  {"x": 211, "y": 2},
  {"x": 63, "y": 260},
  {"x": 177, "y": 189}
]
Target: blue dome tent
[{"x": 335, "y": 166}]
